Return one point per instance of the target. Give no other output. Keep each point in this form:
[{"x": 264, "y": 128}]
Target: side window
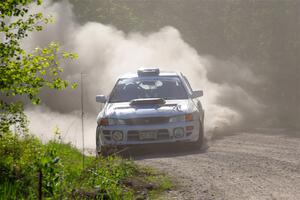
[{"x": 188, "y": 85}]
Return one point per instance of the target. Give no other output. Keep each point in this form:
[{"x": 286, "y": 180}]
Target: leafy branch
[{"x": 26, "y": 73}]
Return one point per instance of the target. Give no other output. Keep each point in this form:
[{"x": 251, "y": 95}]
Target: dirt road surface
[{"x": 241, "y": 166}]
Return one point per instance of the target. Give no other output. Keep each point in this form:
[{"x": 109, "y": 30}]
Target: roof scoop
[
  {"x": 148, "y": 72},
  {"x": 147, "y": 102}
]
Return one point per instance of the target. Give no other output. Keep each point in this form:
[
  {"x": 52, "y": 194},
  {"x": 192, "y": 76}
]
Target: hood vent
[{"x": 147, "y": 102}]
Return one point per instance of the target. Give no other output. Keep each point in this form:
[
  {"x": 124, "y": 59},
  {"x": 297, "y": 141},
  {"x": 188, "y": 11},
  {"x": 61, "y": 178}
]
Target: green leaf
[
  {"x": 25, "y": 73},
  {"x": 74, "y": 85}
]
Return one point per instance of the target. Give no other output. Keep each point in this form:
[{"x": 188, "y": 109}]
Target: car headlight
[
  {"x": 117, "y": 135},
  {"x": 182, "y": 118},
  {"x": 114, "y": 121},
  {"x": 178, "y": 132},
  {"x": 110, "y": 121}
]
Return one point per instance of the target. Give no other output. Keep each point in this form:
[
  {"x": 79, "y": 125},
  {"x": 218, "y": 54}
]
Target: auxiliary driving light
[
  {"x": 117, "y": 135},
  {"x": 189, "y": 128},
  {"x": 178, "y": 132}
]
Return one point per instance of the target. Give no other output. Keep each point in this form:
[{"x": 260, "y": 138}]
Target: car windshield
[{"x": 148, "y": 87}]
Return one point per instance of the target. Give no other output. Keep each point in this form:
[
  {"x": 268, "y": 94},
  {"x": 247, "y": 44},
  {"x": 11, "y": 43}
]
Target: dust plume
[{"x": 106, "y": 52}]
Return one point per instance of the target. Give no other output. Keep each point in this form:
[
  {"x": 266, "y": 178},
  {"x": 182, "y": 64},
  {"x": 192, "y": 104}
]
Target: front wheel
[
  {"x": 104, "y": 151},
  {"x": 199, "y": 142},
  {"x": 101, "y": 150}
]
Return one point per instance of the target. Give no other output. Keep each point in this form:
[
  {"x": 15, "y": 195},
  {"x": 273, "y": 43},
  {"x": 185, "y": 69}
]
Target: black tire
[
  {"x": 100, "y": 149},
  {"x": 103, "y": 151},
  {"x": 199, "y": 142},
  {"x": 98, "y": 145}
]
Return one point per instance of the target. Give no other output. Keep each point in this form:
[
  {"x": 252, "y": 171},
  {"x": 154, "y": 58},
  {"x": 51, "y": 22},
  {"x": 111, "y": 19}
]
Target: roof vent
[{"x": 148, "y": 72}]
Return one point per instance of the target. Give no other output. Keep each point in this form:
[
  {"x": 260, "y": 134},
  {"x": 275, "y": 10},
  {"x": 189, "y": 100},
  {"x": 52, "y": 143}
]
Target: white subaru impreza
[{"x": 150, "y": 106}]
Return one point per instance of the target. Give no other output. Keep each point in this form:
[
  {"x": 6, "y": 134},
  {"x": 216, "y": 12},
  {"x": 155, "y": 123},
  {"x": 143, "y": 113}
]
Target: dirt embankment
[{"x": 242, "y": 166}]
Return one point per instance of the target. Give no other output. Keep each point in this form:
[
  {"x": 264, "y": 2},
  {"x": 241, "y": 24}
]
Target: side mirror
[
  {"x": 101, "y": 99},
  {"x": 197, "y": 93}
]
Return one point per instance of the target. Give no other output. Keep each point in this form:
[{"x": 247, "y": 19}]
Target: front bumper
[{"x": 132, "y": 134}]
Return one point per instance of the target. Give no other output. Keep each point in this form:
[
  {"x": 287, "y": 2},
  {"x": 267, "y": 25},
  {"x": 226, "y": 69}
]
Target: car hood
[{"x": 124, "y": 110}]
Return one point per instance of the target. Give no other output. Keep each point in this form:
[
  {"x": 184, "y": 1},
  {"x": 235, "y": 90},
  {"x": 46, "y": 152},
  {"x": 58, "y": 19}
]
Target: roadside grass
[
  {"x": 24, "y": 159},
  {"x": 163, "y": 183}
]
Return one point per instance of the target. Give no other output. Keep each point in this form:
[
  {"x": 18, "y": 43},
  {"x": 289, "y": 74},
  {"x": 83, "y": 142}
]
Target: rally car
[{"x": 147, "y": 107}]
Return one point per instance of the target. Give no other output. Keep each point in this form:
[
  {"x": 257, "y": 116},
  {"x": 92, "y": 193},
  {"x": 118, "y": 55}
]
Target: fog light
[
  {"x": 117, "y": 135},
  {"x": 189, "y": 128},
  {"x": 178, "y": 132}
]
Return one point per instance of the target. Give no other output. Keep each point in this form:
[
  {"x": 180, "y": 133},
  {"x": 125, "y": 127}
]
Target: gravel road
[{"x": 240, "y": 166}]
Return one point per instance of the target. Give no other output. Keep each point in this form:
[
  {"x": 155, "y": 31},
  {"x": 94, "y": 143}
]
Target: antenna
[{"x": 82, "y": 113}]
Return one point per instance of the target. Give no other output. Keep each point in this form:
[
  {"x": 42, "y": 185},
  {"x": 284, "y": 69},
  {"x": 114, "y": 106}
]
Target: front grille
[
  {"x": 162, "y": 134},
  {"x": 106, "y": 134},
  {"x": 133, "y": 136},
  {"x": 147, "y": 121}
]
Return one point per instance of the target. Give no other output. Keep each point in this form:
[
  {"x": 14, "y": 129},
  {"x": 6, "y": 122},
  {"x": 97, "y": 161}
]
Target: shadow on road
[{"x": 162, "y": 150}]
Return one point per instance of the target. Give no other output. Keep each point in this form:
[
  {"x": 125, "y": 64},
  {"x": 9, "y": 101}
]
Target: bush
[
  {"x": 104, "y": 177},
  {"x": 23, "y": 158},
  {"x": 54, "y": 170},
  {"x": 26, "y": 164}
]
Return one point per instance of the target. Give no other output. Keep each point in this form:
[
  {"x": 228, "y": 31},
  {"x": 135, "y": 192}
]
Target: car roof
[{"x": 161, "y": 73}]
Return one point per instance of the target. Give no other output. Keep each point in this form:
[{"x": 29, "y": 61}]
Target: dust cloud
[{"x": 106, "y": 52}]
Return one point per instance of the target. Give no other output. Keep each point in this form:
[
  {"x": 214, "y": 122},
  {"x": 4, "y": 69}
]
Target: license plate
[{"x": 148, "y": 135}]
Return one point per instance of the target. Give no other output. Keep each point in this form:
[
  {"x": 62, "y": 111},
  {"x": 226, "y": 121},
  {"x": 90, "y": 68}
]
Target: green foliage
[
  {"x": 21, "y": 72},
  {"x": 50, "y": 166},
  {"x": 27, "y": 74},
  {"x": 12, "y": 114},
  {"x": 107, "y": 174},
  {"x": 18, "y": 163},
  {"x": 71, "y": 159},
  {"x": 24, "y": 157}
]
